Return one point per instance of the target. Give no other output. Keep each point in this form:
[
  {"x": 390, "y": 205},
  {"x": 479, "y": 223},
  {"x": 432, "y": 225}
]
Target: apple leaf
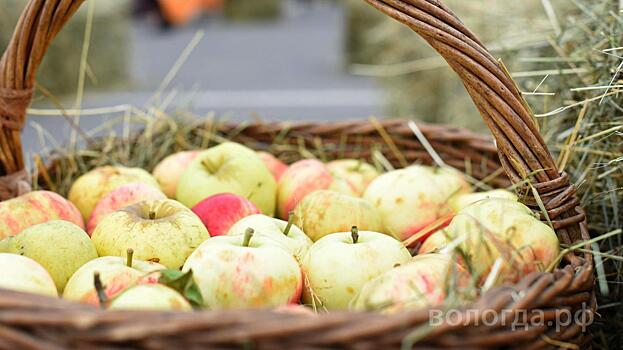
[{"x": 184, "y": 283}]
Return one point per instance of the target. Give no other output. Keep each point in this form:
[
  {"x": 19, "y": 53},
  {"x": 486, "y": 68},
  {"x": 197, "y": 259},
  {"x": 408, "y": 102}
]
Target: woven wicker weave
[{"x": 33, "y": 322}]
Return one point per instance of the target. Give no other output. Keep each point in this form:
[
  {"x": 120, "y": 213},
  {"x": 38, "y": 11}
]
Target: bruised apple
[
  {"x": 421, "y": 282},
  {"x": 235, "y": 272},
  {"x": 325, "y": 212},
  {"x": 408, "y": 200},
  {"x": 89, "y": 188},
  {"x": 35, "y": 208},
  {"x": 504, "y": 229}
]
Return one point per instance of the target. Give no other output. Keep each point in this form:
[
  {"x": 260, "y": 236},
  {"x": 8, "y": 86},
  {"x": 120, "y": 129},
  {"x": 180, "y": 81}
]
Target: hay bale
[
  {"x": 108, "y": 54},
  {"x": 417, "y": 82},
  {"x": 252, "y": 10}
]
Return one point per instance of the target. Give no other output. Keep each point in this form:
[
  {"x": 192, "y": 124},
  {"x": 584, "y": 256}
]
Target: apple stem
[
  {"x": 358, "y": 165},
  {"x": 208, "y": 165},
  {"x": 128, "y": 257},
  {"x": 289, "y": 225},
  {"x": 354, "y": 233},
  {"x": 99, "y": 288},
  {"x": 247, "y": 237},
  {"x": 152, "y": 215}
]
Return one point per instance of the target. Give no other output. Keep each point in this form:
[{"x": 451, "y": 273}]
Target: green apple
[
  {"x": 23, "y": 274},
  {"x": 356, "y": 173},
  {"x": 498, "y": 228},
  {"x": 337, "y": 266},
  {"x": 59, "y": 246},
  {"x": 463, "y": 200},
  {"x": 408, "y": 200},
  {"x": 158, "y": 230},
  {"x": 228, "y": 167},
  {"x": 235, "y": 272},
  {"x": 89, "y": 188},
  {"x": 324, "y": 212},
  {"x": 34, "y": 208},
  {"x": 150, "y": 297},
  {"x": 420, "y": 283},
  {"x": 284, "y": 233},
  {"x": 116, "y": 274}
]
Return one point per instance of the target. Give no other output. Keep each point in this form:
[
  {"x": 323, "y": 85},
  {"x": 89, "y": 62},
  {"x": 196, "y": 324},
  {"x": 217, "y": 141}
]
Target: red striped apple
[
  {"x": 159, "y": 230},
  {"x": 337, "y": 266},
  {"x": 408, "y": 200},
  {"x": 276, "y": 166},
  {"x": 89, "y": 188},
  {"x": 116, "y": 274},
  {"x": 503, "y": 229},
  {"x": 235, "y": 272},
  {"x": 421, "y": 282},
  {"x": 35, "y": 208},
  {"x": 150, "y": 297},
  {"x": 325, "y": 212},
  {"x": 22, "y": 274},
  {"x": 170, "y": 169},
  {"x": 283, "y": 233},
  {"x": 59, "y": 246},
  {"x": 228, "y": 168},
  {"x": 220, "y": 211},
  {"x": 121, "y": 197}
]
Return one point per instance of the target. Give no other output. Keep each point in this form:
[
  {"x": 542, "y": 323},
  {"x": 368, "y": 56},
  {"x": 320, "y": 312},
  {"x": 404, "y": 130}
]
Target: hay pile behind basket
[
  {"x": 584, "y": 125},
  {"x": 419, "y": 83},
  {"x": 108, "y": 60}
]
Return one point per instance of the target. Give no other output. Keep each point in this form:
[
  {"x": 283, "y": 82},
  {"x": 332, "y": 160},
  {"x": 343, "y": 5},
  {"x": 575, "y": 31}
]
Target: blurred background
[{"x": 274, "y": 59}]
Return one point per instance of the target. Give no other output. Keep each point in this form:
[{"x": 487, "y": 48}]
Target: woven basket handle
[
  {"x": 36, "y": 28},
  {"x": 521, "y": 148}
]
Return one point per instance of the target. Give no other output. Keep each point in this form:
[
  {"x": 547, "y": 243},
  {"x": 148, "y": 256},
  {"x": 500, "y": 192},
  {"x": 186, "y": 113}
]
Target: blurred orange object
[{"x": 178, "y": 12}]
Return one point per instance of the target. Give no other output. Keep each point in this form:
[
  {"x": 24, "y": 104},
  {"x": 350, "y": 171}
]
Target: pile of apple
[{"x": 229, "y": 227}]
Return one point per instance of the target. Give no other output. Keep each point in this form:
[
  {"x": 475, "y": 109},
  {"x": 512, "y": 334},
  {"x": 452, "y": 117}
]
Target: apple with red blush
[
  {"x": 122, "y": 197},
  {"x": 35, "y": 208},
  {"x": 221, "y": 211},
  {"x": 276, "y": 166},
  {"x": 244, "y": 271}
]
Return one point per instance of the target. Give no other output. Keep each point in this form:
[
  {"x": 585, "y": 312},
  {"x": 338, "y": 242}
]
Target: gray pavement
[{"x": 287, "y": 70}]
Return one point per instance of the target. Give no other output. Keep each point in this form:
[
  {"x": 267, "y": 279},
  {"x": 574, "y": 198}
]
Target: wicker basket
[{"x": 33, "y": 322}]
